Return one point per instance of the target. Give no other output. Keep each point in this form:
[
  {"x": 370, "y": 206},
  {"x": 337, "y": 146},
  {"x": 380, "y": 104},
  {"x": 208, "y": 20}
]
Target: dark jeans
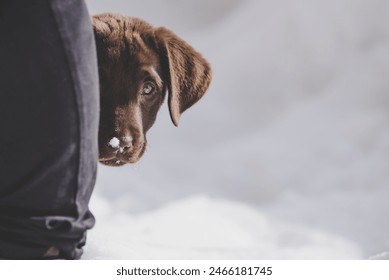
[{"x": 48, "y": 128}]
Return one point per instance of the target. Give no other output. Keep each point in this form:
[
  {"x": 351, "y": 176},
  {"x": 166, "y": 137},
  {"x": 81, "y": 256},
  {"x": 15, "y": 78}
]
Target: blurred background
[{"x": 286, "y": 156}]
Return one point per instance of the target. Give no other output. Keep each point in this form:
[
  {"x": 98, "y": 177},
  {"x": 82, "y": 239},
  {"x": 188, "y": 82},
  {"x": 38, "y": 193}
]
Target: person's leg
[{"x": 48, "y": 128}]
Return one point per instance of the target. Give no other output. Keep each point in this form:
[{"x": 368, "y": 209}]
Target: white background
[{"x": 287, "y": 155}]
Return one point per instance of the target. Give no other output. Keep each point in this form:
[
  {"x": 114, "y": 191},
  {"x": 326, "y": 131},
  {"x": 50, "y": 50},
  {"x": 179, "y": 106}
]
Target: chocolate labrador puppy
[{"x": 138, "y": 64}]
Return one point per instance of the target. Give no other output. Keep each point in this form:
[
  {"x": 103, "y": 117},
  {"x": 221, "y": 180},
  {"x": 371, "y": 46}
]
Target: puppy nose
[
  {"x": 126, "y": 142},
  {"x": 120, "y": 144}
]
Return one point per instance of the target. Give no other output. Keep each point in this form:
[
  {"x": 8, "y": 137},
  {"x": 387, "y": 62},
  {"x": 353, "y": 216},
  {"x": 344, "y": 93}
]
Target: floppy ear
[{"x": 188, "y": 74}]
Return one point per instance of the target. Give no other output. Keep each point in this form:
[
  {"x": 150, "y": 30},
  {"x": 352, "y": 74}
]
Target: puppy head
[{"x": 138, "y": 64}]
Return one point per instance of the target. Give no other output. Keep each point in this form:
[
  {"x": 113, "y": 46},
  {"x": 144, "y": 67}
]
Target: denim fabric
[{"x": 48, "y": 127}]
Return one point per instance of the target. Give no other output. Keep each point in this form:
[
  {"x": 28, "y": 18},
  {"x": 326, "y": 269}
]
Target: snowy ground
[{"x": 286, "y": 157}]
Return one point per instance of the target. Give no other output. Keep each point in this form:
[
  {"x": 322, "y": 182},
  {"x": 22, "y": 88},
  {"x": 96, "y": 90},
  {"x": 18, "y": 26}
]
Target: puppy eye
[{"x": 148, "y": 88}]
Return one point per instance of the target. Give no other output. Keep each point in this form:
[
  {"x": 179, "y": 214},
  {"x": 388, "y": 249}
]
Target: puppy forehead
[
  {"x": 140, "y": 48},
  {"x": 134, "y": 42},
  {"x": 145, "y": 61},
  {"x": 126, "y": 37}
]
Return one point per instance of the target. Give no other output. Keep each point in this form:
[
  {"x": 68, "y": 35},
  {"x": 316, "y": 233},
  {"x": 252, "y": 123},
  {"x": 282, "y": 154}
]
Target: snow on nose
[{"x": 114, "y": 143}]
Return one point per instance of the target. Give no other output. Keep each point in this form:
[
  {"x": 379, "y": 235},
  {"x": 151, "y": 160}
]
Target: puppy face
[{"x": 138, "y": 65}]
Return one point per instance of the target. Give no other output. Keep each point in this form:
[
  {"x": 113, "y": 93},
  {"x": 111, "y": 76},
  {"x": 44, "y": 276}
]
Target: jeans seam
[{"x": 76, "y": 89}]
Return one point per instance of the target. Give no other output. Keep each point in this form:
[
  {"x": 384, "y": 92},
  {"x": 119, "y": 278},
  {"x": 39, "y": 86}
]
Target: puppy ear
[{"x": 187, "y": 73}]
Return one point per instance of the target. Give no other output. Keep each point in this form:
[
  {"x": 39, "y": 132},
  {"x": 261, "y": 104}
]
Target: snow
[
  {"x": 286, "y": 157},
  {"x": 114, "y": 143}
]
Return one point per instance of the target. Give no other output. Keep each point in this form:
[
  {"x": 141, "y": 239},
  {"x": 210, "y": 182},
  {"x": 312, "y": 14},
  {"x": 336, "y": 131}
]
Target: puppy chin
[
  {"x": 115, "y": 162},
  {"x": 118, "y": 159}
]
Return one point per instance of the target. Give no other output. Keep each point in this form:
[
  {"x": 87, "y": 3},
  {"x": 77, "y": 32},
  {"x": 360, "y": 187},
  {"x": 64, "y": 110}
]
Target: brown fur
[{"x": 134, "y": 57}]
